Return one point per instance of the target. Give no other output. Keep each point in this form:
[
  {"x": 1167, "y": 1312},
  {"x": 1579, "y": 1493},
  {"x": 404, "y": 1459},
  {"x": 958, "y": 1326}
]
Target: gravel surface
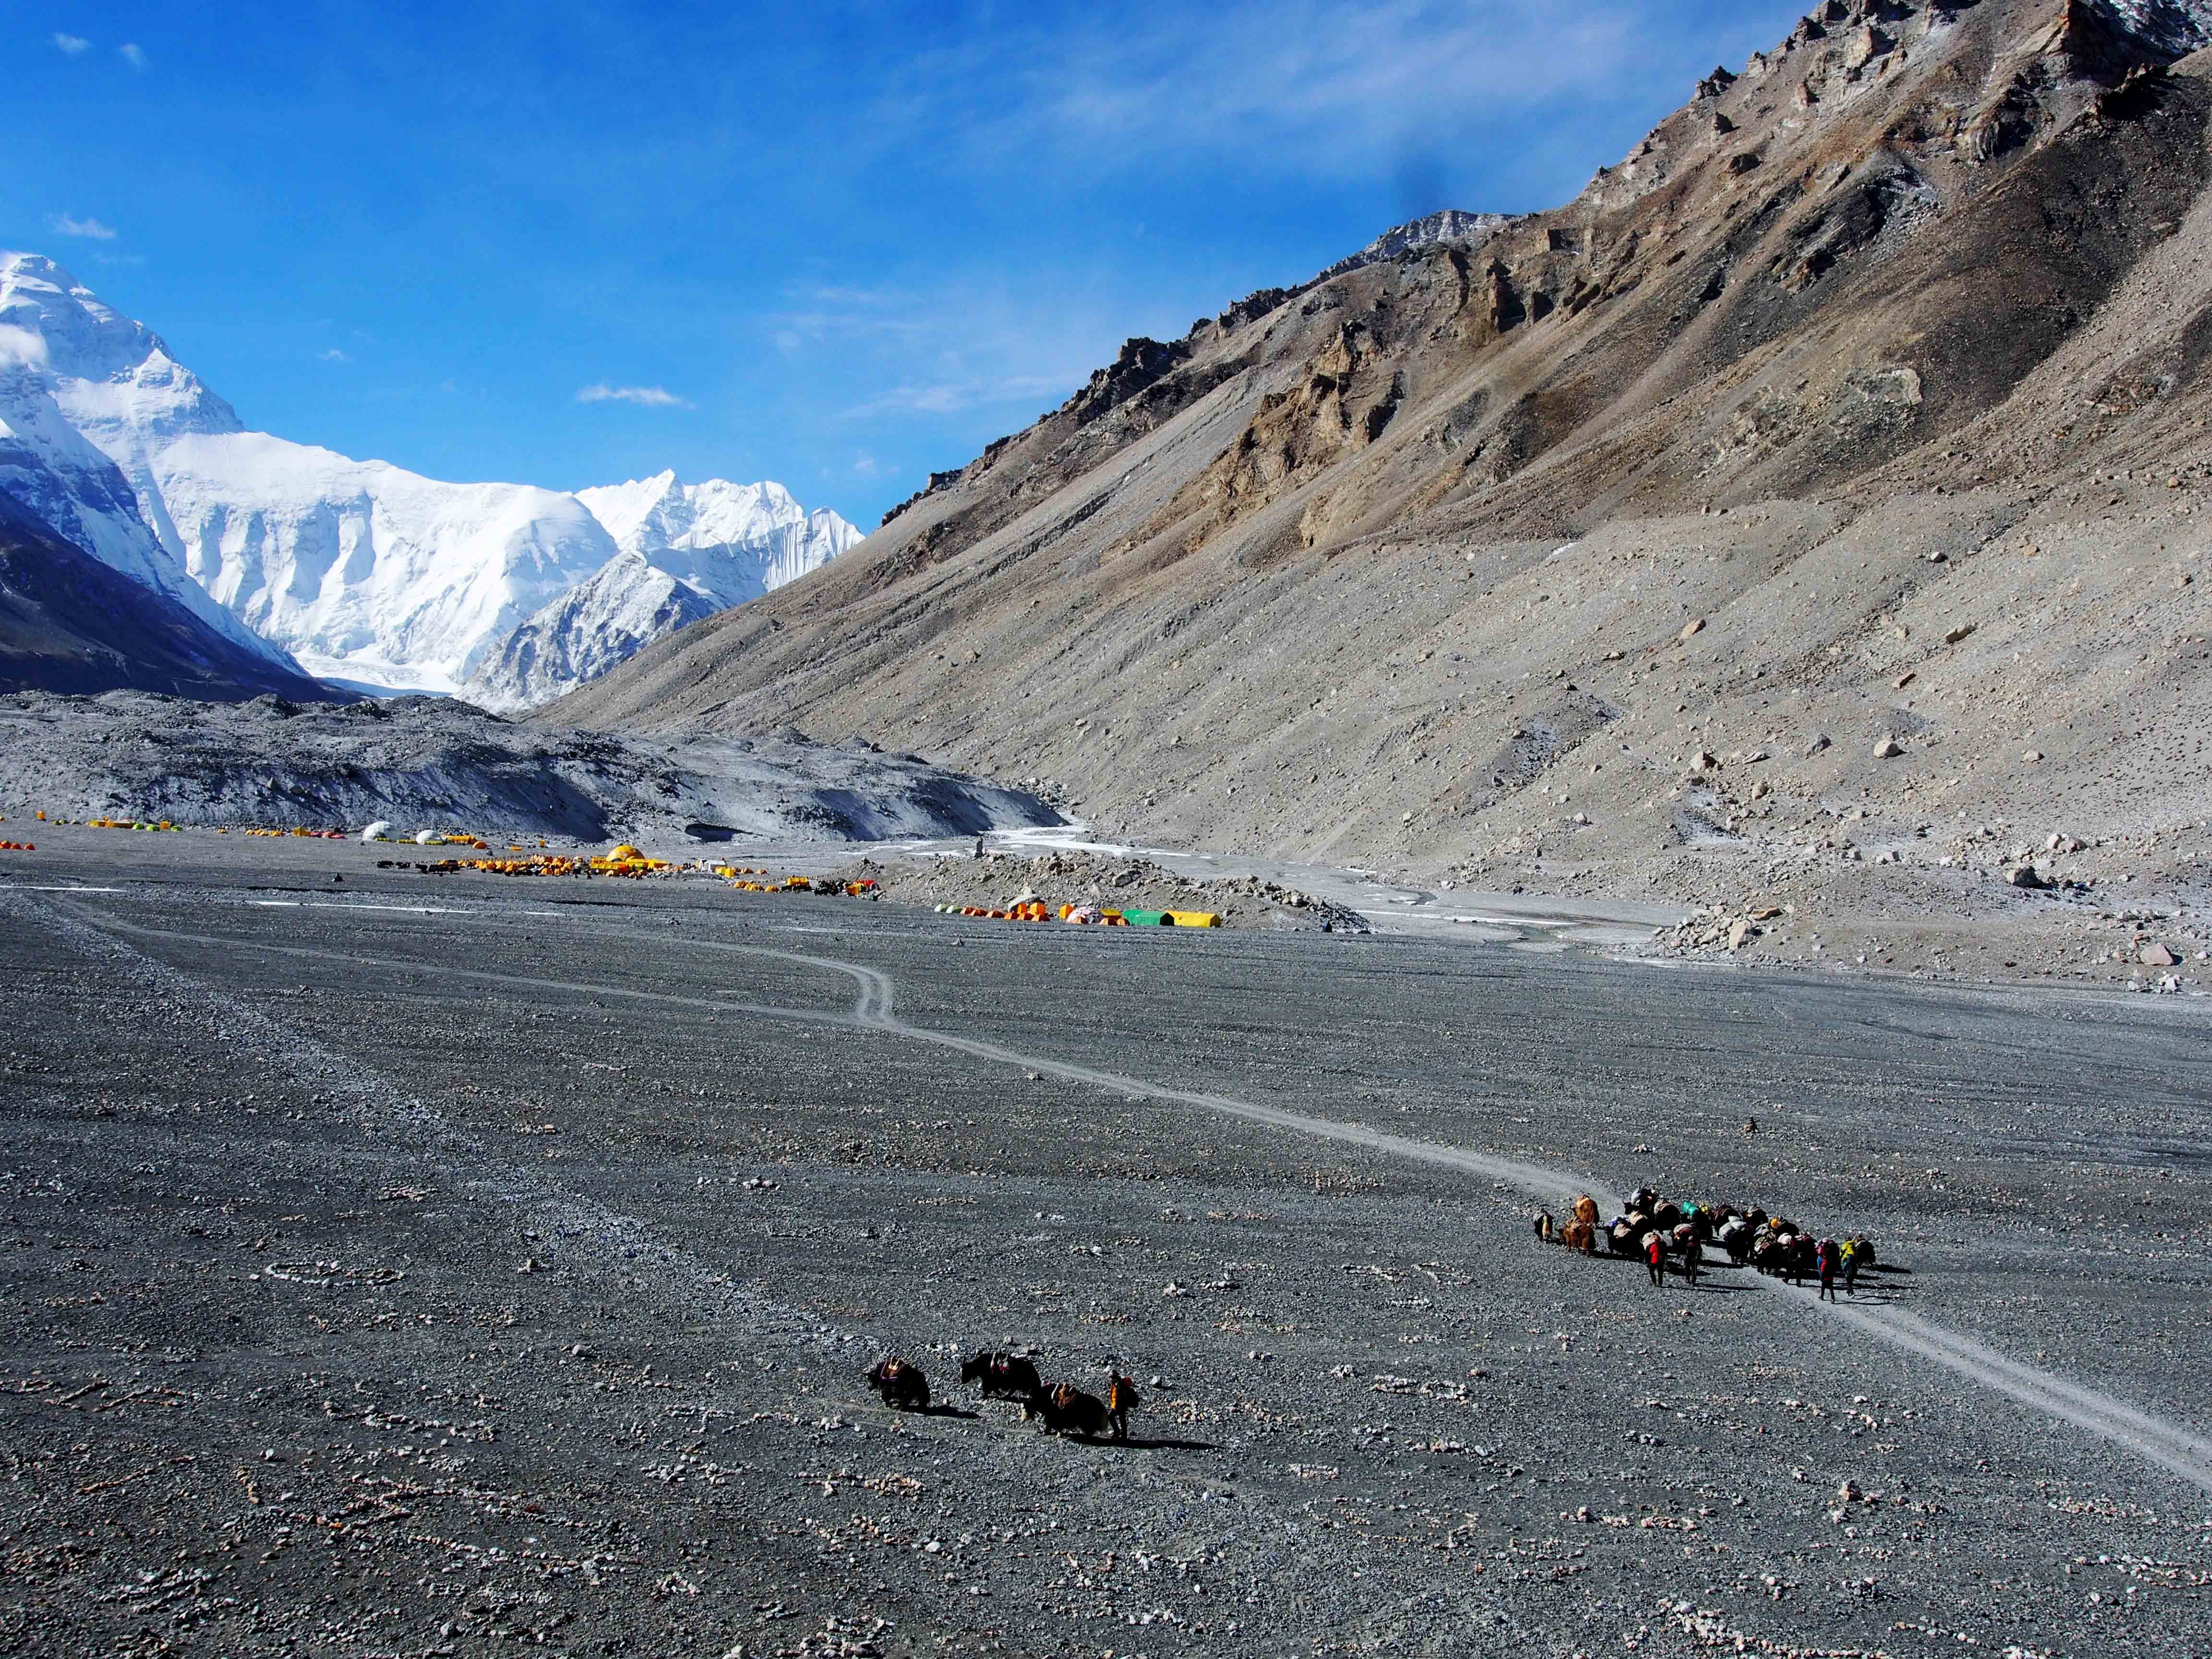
[{"x": 393, "y": 1269}]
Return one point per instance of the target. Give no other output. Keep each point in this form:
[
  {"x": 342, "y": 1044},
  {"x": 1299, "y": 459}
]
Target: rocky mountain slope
[
  {"x": 364, "y": 571},
  {"x": 1806, "y": 515},
  {"x": 70, "y": 623},
  {"x": 430, "y": 763}
]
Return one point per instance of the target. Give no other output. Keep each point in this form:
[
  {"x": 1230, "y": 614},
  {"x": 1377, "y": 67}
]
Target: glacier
[{"x": 366, "y": 574}]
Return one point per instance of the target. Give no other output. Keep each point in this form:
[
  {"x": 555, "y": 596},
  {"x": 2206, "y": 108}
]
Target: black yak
[
  {"x": 1067, "y": 1409},
  {"x": 1003, "y": 1376},
  {"x": 901, "y": 1383}
]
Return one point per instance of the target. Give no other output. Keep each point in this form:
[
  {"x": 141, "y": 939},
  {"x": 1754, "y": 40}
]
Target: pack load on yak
[
  {"x": 1067, "y": 1409},
  {"x": 901, "y": 1383}
]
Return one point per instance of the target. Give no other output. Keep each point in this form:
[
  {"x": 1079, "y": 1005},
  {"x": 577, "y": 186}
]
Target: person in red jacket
[
  {"x": 1824, "y": 1262},
  {"x": 1654, "y": 1257}
]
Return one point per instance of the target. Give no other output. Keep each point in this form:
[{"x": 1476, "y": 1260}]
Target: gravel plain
[{"x": 398, "y": 1266}]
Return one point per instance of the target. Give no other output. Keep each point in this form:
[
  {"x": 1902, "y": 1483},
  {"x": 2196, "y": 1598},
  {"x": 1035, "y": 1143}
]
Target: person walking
[
  {"x": 1121, "y": 1399},
  {"x": 1693, "y": 1261},
  {"x": 1851, "y": 1254},
  {"x": 1654, "y": 1257},
  {"x": 1824, "y": 1263}
]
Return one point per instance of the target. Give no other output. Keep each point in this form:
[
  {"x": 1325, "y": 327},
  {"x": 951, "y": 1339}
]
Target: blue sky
[{"x": 835, "y": 244}]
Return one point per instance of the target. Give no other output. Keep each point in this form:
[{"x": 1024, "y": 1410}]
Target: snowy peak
[
  {"x": 373, "y": 575},
  {"x": 651, "y": 514},
  {"x": 1445, "y": 225},
  {"x": 71, "y": 367},
  {"x": 104, "y": 368},
  {"x": 592, "y": 626},
  {"x": 686, "y": 551},
  {"x": 727, "y": 542},
  {"x": 369, "y": 574}
]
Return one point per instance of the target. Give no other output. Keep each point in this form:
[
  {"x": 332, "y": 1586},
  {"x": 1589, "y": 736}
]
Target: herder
[{"x": 1121, "y": 1399}]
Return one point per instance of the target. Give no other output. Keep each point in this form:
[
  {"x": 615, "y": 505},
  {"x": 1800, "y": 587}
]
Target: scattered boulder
[
  {"x": 1888, "y": 749},
  {"x": 2156, "y": 956},
  {"x": 1815, "y": 744},
  {"x": 1691, "y": 628},
  {"x": 2023, "y": 875},
  {"x": 1953, "y": 636}
]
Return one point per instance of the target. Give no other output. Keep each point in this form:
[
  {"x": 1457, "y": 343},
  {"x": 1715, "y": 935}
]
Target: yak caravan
[
  {"x": 1672, "y": 1236},
  {"x": 1058, "y": 1408}
]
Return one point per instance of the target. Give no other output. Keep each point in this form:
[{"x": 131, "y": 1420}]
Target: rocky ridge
[{"x": 1860, "y": 400}]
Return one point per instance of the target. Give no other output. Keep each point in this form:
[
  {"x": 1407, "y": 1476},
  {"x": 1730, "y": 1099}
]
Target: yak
[
  {"x": 901, "y": 1383},
  {"x": 1001, "y": 1376},
  {"x": 1067, "y": 1409}
]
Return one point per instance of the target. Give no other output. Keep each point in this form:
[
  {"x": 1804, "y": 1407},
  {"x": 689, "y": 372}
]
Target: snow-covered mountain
[
  {"x": 587, "y": 631},
  {"x": 53, "y": 341},
  {"x": 727, "y": 542},
  {"x": 370, "y": 573},
  {"x": 70, "y": 623},
  {"x": 688, "y": 551},
  {"x": 366, "y": 573}
]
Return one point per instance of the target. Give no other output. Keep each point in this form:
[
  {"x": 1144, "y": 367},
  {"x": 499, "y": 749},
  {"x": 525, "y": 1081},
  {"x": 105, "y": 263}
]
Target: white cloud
[
  {"x": 333, "y": 356},
  {"x": 1328, "y": 87},
  {"x": 21, "y": 345},
  {"x": 956, "y": 395},
  {"x": 75, "y": 44},
  {"x": 133, "y": 53},
  {"x": 67, "y": 225},
  {"x": 963, "y": 347},
  {"x": 650, "y": 397}
]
